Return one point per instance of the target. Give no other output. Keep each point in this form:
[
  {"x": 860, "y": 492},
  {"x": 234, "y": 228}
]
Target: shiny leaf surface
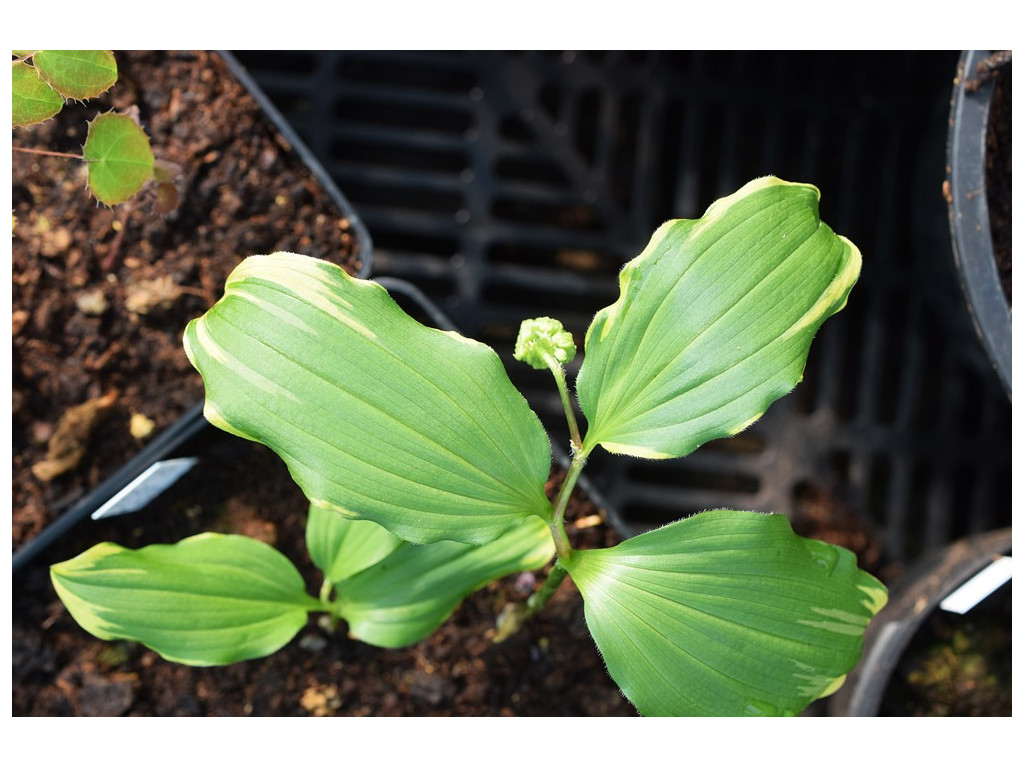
[
  {"x": 209, "y": 599},
  {"x": 713, "y": 322},
  {"x": 726, "y": 613},
  {"x": 376, "y": 415}
]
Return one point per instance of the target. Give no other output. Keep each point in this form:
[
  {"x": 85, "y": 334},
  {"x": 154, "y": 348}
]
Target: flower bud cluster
[{"x": 543, "y": 338}]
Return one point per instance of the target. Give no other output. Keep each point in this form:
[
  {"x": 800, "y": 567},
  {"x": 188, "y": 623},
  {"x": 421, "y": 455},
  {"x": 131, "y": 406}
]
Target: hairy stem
[
  {"x": 563, "y": 392},
  {"x": 540, "y": 598},
  {"x": 563, "y": 550},
  {"x": 579, "y": 460}
]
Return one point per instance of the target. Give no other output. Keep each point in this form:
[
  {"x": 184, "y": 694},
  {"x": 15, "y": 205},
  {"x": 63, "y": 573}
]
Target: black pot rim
[
  {"x": 969, "y": 217},
  {"x": 934, "y": 577}
]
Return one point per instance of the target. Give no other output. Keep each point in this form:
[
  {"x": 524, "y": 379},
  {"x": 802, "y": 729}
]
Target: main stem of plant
[{"x": 563, "y": 550}]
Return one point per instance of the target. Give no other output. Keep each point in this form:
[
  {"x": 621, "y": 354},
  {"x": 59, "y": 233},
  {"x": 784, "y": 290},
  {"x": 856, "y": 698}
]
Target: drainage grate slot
[
  {"x": 578, "y": 260},
  {"x": 421, "y": 74},
  {"x": 513, "y": 129},
  {"x": 286, "y": 66},
  {"x": 674, "y": 473},
  {"x": 565, "y": 216},
  {"x": 381, "y": 113},
  {"x": 397, "y": 156},
  {"x": 524, "y": 293},
  {"x": 388, "y": 194},
  {"x": 530, "y": 169}
]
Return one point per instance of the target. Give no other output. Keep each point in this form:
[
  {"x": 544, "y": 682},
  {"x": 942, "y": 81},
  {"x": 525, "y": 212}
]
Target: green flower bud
[{"x": 541, "y": 339}]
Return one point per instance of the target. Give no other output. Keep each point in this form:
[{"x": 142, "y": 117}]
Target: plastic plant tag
[
  {"x": 158, "y": 477},
  {"x": 979, "y": 586}
]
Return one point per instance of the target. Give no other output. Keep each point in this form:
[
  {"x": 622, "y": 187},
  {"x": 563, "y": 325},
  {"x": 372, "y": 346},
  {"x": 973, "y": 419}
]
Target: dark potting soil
[{"x": 100, "y": 299}]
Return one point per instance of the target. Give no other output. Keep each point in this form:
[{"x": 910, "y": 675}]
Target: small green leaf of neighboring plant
[
  {"x": 726, "y": 613},
  {"x": 209, "y": 599},
  {"x": 32, "y": 100},
  {"x": 376, "y": 415},
  {"x": 77, "y": 74},
  {"x": 714, "y": 322},
  {"x": 405, "y": 596},
  {"x": 119, "y": 157}
]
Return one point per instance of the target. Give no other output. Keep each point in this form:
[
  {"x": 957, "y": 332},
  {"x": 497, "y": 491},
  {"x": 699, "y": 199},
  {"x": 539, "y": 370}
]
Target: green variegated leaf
[
  {"x": 713, "y": 322},
  {"x": 376, "y": 415},
  {"x": 342, "y": 547},
  {"x": 119, "y": 157},
  {"x": 408, "y": 594},
  {"x": 77, "y": 74},
  {"x": 209, "y": 599},
  {"x": 726, "y": 613},
  {"x": 32, "y": 100}
]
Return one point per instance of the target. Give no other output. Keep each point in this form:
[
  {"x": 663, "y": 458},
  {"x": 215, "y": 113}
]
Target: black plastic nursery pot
[
  {"x": 979, "y": 197},
  {"x": 928, "y": 653}
]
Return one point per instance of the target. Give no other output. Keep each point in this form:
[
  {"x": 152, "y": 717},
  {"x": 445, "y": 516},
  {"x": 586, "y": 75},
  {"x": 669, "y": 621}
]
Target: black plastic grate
[{"x": 507, "y": 185}]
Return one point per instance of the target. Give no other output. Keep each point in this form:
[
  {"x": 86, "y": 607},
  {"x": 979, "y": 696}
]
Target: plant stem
[
  {"x": 325, "y": 591},
  {"x": 50, "y": 152},
  {"x": 540, "y": 598},
  {"x": 563, "y": 550},
  {"x": 328, "y": 606},
  {"x": 563, "y": 391},
  {"x": 579, "y": 460}
]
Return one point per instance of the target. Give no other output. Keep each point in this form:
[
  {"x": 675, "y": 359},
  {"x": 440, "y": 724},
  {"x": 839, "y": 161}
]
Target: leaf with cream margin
[
  {"x": 726, "y": 613},
  {"x": 714, "y": 322},
  {"x": 209, "y": 599},
  {"x": 376, "y": 415}
]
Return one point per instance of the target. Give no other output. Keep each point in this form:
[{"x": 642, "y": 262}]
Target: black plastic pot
[
  {"x": 969, "y": 211},
  {"x": 170, "y": 443},
  {"x": 911, "y": 602}
]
